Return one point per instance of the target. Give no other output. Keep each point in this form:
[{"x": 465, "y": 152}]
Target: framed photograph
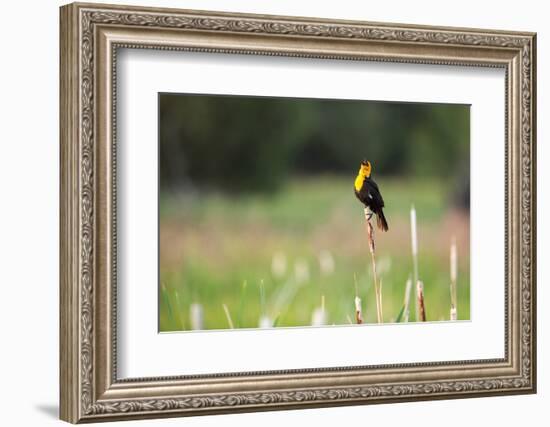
[{"x": 265, "y": 212}]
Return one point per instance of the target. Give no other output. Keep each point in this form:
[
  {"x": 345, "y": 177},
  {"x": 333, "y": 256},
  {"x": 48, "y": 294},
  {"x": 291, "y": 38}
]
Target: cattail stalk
[
  {"x": 358, "y": 311},
  {"x": 262, "y": 299},
  {"x": 453, "y": 314},
  {"x": 196, "y": 315},
  {"x": 319, "y": 316},
  {"x": 414, "y": 247},
  {"x": 454, "y": 272},
  {"x": 180, "y": 312},
  {"x": 380, "y": 297},
  {"x": 372, "y": 248},
  {"x": 228, "y": 316},
  {"x": 406, "y": 310},
  {"x": 265, "y": 320},
  {"x": 420, "y": 299}
]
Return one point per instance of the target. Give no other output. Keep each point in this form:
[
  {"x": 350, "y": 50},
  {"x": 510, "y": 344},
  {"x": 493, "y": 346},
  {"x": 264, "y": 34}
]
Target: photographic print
[{"x": 286, "y": 212}]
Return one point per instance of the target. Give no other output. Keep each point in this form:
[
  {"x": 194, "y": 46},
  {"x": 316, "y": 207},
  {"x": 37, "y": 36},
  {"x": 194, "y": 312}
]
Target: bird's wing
[{"x": 374, "y": 193}]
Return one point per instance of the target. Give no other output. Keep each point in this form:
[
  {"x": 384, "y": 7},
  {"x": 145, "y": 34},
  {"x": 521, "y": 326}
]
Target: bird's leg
[{"x": 368, "y": 213}]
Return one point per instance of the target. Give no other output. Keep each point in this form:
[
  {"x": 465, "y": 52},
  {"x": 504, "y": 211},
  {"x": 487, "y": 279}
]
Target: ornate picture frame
[{"x": 90, "y": 37}]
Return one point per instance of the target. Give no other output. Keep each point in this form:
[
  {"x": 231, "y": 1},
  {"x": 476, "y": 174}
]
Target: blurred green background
[{"x": 259, "y": 225}]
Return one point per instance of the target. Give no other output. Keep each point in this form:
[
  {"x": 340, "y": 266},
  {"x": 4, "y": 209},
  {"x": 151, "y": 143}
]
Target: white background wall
[{"x": 29, "y": 171}]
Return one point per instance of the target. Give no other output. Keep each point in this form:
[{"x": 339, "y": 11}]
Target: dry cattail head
[
  {"x": 420, "y": 298},
  {"x": 358, "y": 312}
]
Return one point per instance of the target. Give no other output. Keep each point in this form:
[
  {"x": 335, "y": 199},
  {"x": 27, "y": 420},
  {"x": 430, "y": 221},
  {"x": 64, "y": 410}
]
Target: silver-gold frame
[{"x": 90, "y": 37}]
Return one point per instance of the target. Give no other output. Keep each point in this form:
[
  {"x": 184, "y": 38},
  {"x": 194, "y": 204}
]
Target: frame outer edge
[
  {"x": 77, "y": 225},
  {"x": 69, "y": 355},
  {"x": 533, "y": 208}
]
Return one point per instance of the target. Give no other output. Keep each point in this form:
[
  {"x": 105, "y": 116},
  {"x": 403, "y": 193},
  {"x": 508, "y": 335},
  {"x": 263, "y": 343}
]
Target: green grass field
[{"x": 278, "y": 257}]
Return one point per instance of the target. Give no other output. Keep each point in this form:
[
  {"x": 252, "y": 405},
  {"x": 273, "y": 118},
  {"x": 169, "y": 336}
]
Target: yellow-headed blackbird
[{"x": 368, "y": 193}]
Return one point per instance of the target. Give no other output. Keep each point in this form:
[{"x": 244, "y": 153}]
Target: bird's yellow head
[{"x": 365, "y": 169}]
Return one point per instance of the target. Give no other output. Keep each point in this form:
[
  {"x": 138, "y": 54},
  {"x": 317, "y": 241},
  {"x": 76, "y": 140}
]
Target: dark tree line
[{"x": 255, "y": 143}]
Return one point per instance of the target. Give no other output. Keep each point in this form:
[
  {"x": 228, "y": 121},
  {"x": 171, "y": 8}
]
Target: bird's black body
[{"x": 370, "y": 196}]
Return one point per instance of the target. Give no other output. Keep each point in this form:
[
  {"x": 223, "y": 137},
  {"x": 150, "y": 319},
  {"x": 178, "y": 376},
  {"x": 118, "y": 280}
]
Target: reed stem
[
  {"x": 414, "y": 247},
  {"x": 454, "y": 272},
  {"x": 196, "y": 316},
  {"x": 406, "y": 310},
  {"x": 228, "y": 316},
  {"x": 358, "y": 311},
  {"x": 372, "y": 249},
  {"x": 319, "y": 316}
]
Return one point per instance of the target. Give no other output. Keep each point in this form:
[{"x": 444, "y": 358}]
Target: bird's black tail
[{"x": 381, "y": 221}]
